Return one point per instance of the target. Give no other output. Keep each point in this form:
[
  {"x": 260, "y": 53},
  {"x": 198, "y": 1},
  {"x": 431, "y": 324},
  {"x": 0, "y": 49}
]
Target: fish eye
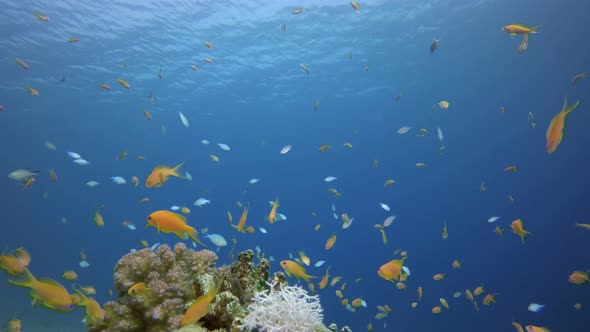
[{"x": 149, "y": 217}]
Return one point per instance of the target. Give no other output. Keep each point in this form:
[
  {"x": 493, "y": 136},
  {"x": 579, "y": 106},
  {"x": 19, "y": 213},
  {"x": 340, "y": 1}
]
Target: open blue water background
[{"x": 257, "y": 99}]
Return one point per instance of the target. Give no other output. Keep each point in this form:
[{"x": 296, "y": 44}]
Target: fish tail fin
[
  {"x": 536, "y": 28},
  {"x": 570, "y": 108},
  {"x": 192, "y": 233},
  {"x": 27, "y": 281},
  {"x": 175, "y": 170},
  {"x": 307, "y": 278}
]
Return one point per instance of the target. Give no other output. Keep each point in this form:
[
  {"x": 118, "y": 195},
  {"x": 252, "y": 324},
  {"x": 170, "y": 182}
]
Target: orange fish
[
  {"x": 201, "y": 306},
  {"x": 517, "y": 326},
  {"x": 439, "y": 276},
  {"x": 124, "y": 83},
  {"x": 21, "y": 63},
  {"x": 70, "y": 275},
  {"x": 555, "y": 131},
  {"x": 324, "y": 281},
  {"x": 436, "y": 310},
  {"x": 330, "y": 243},
  {"x": 578, "y": 277},
  {"x": 170, "y": 222},
  {"x": 12, "y": 265},
  {"x": 42, "y": 17},
  {"x": 105, "y": 86},
  {"x": 31, "y": 91},
  {"x": 46, "y": 292},
  {"x": 456, "y": 264},
  {"x": 479, "y": 290},
  {"x": 391, "y": 270},
  {"x": 28, "y": 183},
  {"x": 241, "y": 227},
  {"x": 14, "y": 325},
  {"x": 489, "y": 299},
  {"x": 531, "y": 328},
  {"x": 518, "y": 229},
  {"x": 298, "y": 271},
  {"x": 160, "y": 175}
]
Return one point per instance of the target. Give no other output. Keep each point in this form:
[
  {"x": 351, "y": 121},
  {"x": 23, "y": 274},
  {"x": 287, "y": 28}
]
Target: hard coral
[
  {"x": 171, "y": 278},
  {"x": 288, "y": 309}
]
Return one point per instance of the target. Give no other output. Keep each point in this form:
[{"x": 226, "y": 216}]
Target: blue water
[{"x": 257, "y": 99}]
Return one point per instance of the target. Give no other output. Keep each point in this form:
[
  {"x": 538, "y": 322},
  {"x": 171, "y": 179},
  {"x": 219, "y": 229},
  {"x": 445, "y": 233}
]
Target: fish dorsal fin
[
  {"x": 51, "y": 282},
  {"x": 161, "y": 167}
]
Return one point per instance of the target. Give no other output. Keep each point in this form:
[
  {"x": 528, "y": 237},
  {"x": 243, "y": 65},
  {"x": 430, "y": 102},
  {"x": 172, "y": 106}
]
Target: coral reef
[
  {"x": 173, "y": 279},
  {"x": 285, "y": 309}
]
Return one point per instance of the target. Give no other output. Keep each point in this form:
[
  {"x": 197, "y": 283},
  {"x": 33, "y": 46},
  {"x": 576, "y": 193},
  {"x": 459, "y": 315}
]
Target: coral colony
[{"x": 155, "y": 288}]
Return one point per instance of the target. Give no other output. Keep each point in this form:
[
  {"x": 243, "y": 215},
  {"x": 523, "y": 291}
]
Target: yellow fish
[
  {"x": 46, "y": 292},
  {"x": 94, "y": 313},
  {"x": 555, "y": 131},
  {"x": 272, "y": 216},
  {"x": 98, "y": 220},
  {"x": 170, "y": 222},
  {"x": 298, "y": 271},
  {"x": 201, "y": 305},
  {"x": 137, "y": 289},
  {"x": 160, "y": 175}
]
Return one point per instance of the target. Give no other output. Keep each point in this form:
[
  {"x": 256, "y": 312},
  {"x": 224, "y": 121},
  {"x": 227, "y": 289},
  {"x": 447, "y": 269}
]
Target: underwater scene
[{"x": 294, "y": 166}]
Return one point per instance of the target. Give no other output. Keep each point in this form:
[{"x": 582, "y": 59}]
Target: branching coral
[{"x": 286, "y": 309}]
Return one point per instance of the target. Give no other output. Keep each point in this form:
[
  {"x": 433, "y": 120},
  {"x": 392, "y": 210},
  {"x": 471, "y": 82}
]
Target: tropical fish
[
  {"x": 535, "y": 307},
  {"x": 445, "y": 233},
  {"x": 577, "y": 78},
  {"x": 555, "y": 131},
  {"x": 293, "y": 268},
  {"x": 28, "y": 183},
  {"x": 69, "y": 275},
  {"x": 31, "y": 91},
  {"x": 489, "y": 299},
  {"x": 324, "y": 147},
  {"x": 46, "y": 292},
  {"x": 520, "y": 29},
  {"x": 139, "y": 288},
  {"x": 518, "y": 229},
  {"x": 389, "y": 183},
  {"x": 438, "y": 276},
  {"x": 330, "y": 242},
  {"x": 304, "y": 67},
  {"x": 532, "y": 328},
  {"x": 286, "y": 149},
  {"x": 532, "y": 120},
  {"x": 272, "y": 215},
  {"x": 208, "y": 60},
  {"x": 94, "y": 313},
  {"x": 355, "y": 5},
  {"x": 124, "y": 83},
  {"x": 578, "y": 277},
  {"x": 73, "y": 39},
  {"x": 183, "y": 119},
  {"x": 147, "y": 114},
  {"x": 208, "y": 44},
  {"x": 216, "y": 239},
  {"x": 202, "y": 304},
  {"x": 98, "y": 220},
  {"x": 434, "y": 46},
  {"x": 170, "y": 222},
  {"x": 298, "y": 11},
  {"x": 160, "y": 175},
  {"x": 23, "y": 64},
  {"x": 242, "y": 222},
  {"x": 391, "y": 270}
]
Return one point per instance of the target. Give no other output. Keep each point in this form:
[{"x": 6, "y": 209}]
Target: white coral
[{"x": 289, "y": 309}]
